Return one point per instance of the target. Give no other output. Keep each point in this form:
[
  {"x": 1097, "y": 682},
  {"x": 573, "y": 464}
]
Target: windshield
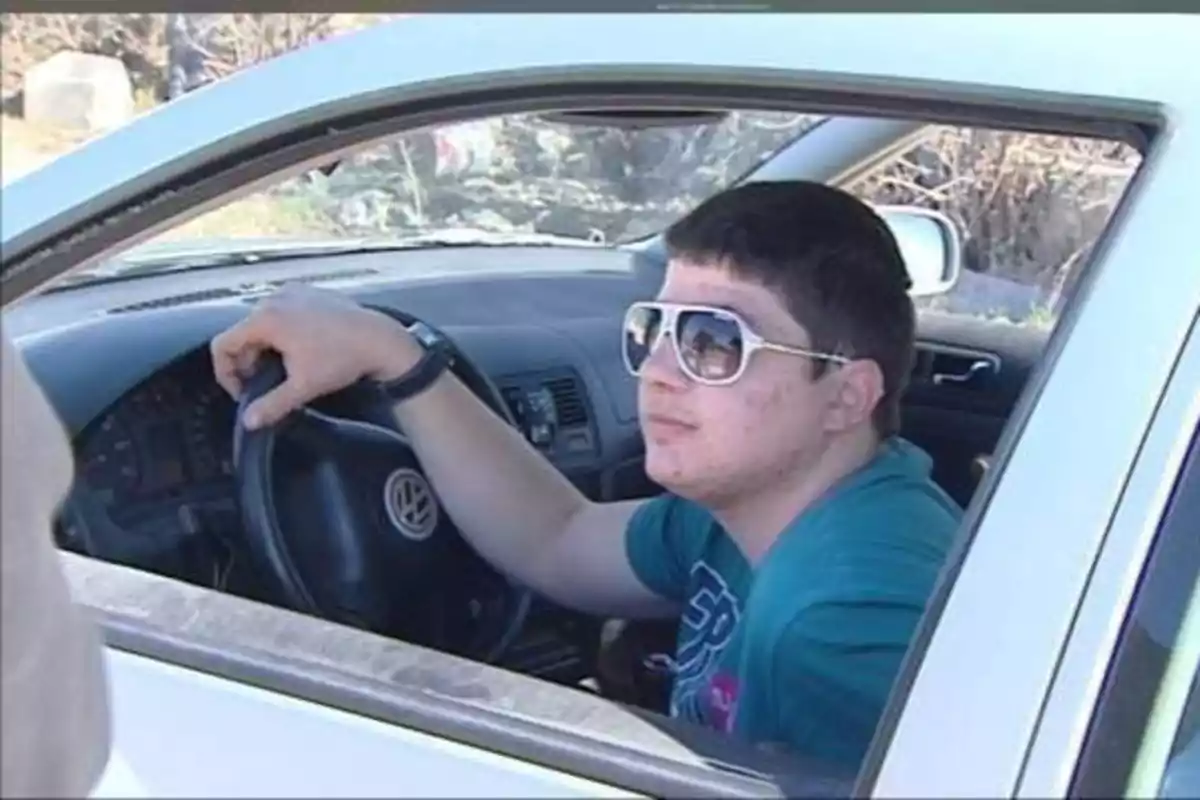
[{"x": 506, "y": 179}]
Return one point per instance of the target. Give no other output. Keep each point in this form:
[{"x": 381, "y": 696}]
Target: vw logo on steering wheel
[{"x": 410, "y": 504}]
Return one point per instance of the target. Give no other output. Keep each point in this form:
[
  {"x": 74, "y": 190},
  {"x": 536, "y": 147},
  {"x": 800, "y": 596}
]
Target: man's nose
[{"x": 662, "y": 365}]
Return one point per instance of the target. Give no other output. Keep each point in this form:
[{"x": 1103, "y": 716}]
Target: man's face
[{"x": 712, "y": 443}]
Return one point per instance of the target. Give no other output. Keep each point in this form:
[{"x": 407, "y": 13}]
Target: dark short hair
[{"x": 832, "y": 260}]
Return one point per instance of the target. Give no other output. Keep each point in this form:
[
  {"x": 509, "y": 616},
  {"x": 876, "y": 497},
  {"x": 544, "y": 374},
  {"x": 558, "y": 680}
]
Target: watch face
[{"x": 425, "y": 335}]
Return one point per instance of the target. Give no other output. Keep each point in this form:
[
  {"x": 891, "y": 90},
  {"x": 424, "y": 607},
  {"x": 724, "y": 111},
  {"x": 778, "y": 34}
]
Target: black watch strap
[
  {"x": 437, "y": 358},
  {"x": 432, "y": 364}
]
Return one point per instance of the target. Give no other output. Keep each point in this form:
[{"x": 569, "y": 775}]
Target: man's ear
[{"x": 855, "y": 390}]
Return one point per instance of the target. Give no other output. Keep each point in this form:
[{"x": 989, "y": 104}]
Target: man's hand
[{"x": 326, "y": 341}]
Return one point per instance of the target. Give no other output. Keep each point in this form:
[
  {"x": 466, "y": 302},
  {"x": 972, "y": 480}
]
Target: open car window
[{"x": 1019, "y": 274}]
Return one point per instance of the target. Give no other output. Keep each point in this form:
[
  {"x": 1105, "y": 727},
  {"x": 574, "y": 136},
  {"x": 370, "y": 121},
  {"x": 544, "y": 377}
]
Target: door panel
[{"x": 187, "y": 733}]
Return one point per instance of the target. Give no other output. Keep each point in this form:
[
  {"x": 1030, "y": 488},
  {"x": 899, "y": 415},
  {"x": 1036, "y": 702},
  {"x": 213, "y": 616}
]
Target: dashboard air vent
[
  {"x": 224, "y": 292},
  {"x": 176, "y": 300},
  {"x": 568, "y": 401},
  {"x": 317, "y": 277}
]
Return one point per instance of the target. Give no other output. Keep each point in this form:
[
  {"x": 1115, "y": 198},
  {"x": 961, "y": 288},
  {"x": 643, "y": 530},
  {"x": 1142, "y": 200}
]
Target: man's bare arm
[{"x": 519, "y": 511}]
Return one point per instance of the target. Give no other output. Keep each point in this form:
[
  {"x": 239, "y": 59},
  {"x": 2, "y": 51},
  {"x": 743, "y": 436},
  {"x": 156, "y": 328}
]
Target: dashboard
[
  {"x": 164, "y": 450},
  {"x": 126, "y": 366}
]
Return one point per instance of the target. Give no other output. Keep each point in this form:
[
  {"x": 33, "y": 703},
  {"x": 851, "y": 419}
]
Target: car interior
[
  {"x": 160, "y": 488},
  {"x": 152, "y": 429}
]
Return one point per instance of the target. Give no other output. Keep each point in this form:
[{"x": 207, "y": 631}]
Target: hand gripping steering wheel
[{"x": 342, "y": 520}]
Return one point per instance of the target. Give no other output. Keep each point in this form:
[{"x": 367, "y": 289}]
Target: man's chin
[
  {"x": 679, "y": 476},
  {"x": 660, "y": 467},
  {"x": 672, "y": 470}
]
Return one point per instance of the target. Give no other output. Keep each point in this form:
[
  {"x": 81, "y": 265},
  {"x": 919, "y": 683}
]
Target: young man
[{"x": 799, "y": 538}]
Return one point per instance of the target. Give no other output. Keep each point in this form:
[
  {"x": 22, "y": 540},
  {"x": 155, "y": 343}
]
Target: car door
[
  {"x": 1022, "y": 633},
  {"x": 1121, "y": 717},
  {"x": 189, "y": 733}
]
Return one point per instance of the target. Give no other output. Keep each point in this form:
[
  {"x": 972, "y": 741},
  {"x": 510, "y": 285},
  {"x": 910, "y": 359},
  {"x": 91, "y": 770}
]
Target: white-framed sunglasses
[{"x": 712, "y": 345}]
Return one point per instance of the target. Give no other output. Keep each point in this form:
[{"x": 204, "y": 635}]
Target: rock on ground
[{"x": 79, "y": 90}]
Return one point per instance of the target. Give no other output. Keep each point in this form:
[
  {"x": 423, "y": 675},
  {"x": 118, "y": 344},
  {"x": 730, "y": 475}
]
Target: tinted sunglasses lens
[
  {"x": 711, "y": 345},
  {"x": 642, "y": 325}
]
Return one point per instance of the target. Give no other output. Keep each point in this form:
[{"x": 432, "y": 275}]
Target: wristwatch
[{"x": 435, "y": 360}]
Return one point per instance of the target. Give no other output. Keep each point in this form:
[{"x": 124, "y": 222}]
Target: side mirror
[{"x": 931, "y": 245}]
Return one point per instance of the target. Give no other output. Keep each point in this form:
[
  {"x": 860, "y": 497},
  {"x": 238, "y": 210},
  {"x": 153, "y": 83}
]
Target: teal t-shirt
[{"x": 802, "y": 650}]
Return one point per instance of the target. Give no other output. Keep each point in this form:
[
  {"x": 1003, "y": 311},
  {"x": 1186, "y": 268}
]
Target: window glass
[
  {"x": 1029, "y": 206},
  {"x": 495, "y": 180}
]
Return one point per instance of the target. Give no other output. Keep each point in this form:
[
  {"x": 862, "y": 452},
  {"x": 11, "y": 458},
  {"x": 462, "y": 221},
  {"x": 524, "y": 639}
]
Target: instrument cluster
[{"x": 165, "y": 445}]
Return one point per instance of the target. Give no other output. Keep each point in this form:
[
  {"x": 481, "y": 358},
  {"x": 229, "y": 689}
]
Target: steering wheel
[{"x": 341, "y": 518}]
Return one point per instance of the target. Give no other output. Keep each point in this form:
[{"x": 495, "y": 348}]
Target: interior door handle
[{"x": 977, "y": 367}]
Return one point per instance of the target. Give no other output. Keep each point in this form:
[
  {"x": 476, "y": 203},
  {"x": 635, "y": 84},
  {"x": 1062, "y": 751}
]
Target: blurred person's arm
[{"x": 56, "y": 735}]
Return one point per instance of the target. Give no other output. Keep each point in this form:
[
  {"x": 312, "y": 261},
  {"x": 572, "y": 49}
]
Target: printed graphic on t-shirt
[
  {"x": 707, "y": 627},
  {"x": 722, "y": 701}
]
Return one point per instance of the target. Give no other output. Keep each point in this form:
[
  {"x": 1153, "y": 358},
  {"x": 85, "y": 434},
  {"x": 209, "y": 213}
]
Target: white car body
[{"x": 1010, "y": 671}]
